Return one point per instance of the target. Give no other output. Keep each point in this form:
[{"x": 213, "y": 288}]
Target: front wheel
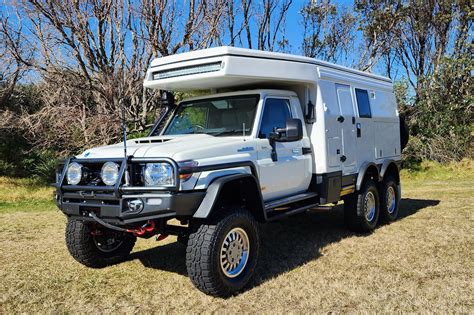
[
  {"x": 95, "y": 246},
  {"x": 221, "y": 255}
]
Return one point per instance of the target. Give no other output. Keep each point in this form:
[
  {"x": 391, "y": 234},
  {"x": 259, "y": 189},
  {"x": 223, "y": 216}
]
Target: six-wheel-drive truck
[{"x": 276, "y": 135}]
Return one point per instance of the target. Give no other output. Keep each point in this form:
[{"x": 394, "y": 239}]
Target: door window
[
  {"x": 363, "y": 103},
  {"x": 275, "y": 114}
]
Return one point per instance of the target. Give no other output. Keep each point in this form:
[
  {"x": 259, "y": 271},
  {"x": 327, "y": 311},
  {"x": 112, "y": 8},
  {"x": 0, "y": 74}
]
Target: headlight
[
  {"x": 159, "y": 174},
  {"x": 74, "y": 173},
  {"x": 109, "y": 173}
]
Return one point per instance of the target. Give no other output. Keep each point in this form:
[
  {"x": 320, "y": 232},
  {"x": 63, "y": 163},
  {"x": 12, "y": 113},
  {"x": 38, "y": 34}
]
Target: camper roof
[{"x": 224, "y": 67}]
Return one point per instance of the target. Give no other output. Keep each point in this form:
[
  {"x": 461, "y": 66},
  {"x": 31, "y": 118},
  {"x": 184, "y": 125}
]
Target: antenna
[{"x": 124, "y": 129}]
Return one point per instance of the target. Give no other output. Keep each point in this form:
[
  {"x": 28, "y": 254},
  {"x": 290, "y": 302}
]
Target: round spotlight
[
  {"x": 109, "y": 173},
  {"x": 74, "y": 173}
]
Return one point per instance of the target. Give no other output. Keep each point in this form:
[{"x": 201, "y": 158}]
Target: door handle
[
  {"x": 359, "y": 131},
  {"x": 343, "y": 158},
  {"x": 340, "y": 119}
]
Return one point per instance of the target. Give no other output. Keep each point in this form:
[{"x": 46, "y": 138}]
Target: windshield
[{"x": 223, "y": 116}]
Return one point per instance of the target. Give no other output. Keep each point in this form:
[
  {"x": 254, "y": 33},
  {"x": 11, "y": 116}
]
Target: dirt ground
[{"x": 308, "y": 263}]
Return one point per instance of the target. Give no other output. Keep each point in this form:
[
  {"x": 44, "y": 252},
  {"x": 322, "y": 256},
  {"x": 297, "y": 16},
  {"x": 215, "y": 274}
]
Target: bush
[{"x": 440, "y": 121}]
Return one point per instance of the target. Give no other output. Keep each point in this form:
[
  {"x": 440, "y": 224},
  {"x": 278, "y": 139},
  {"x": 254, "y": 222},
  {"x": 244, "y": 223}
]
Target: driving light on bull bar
[
  {"x": 159, "y": 174},
  {"x": 109, "y": 173},
  {"x": 74, "y": 173}
]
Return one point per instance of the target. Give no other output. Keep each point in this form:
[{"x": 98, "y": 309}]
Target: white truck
[{"x": 275, "y": 135}]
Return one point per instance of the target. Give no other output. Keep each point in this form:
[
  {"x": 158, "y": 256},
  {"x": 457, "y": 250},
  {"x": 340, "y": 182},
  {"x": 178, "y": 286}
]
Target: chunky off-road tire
[
  {"x": 361, "y": 209},
  {"x": 84, "y": 242},
  {"x": 209, "y": 252},
  {"x": 389, "y": 200}
]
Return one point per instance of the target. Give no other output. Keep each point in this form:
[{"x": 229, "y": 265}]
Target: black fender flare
[
  {"x": 385, "y": 166},
  {"x": 215, "y": 188},
  {"x": 362, "y": 171}
]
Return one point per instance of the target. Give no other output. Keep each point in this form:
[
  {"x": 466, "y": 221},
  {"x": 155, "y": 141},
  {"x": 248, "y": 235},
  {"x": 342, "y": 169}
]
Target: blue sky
[{"x": 293, "y": 28}]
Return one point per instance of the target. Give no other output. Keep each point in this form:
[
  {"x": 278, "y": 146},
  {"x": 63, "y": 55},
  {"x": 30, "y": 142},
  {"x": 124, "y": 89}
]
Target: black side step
[
  {"x": 288, "y": 200},
  {"x": 293, "y": 205},
  {"x": 277, "y": 215}
]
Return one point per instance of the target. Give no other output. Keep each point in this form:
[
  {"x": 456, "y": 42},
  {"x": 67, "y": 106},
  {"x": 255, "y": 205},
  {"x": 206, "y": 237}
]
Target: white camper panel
[{"x": 338, "y": 144}]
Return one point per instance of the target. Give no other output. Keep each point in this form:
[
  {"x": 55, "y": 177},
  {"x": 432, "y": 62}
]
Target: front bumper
[
  {"x": 116, "y": 211},
  {"x": 110, "y": 203}
]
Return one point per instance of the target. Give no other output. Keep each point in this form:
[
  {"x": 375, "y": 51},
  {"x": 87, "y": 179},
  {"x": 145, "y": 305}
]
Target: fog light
[{"x": 135, "y": 205}]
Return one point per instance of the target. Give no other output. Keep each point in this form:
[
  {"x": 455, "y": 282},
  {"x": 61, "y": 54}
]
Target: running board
[
  {"x": 292, "y": 199},
  {"x": 277, "y": 215}
]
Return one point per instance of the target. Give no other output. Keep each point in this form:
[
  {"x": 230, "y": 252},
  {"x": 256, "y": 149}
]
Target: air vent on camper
[{"x": 179, "y": 72}]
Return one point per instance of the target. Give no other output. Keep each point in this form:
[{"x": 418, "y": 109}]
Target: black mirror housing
[
  {"x": 167, "y": 98},
  {"x": 293, "y": 131}
]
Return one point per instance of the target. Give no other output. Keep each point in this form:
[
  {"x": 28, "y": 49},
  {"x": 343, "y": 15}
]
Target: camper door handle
[
  {"x": 340, "y": 119},
  {"x": 359, "y": 132}
]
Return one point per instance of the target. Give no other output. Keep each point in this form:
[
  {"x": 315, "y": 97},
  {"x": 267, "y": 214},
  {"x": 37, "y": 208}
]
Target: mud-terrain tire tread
[
  {"x": 81, "y": 246},
  {"x": 354, "y": 216},
  {"x": 199, "y": 253},
  {"x": 385, "y": 217}
]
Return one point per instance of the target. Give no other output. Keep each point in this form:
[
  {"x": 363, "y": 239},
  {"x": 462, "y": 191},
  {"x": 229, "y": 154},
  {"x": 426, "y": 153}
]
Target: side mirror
[
  {"x": 167, "y": 98},
  {"x": 293, "y": 131}
]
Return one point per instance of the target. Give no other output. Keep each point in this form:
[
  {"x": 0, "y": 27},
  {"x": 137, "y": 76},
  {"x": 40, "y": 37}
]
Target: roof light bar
[{"x": 178, "y": 72}]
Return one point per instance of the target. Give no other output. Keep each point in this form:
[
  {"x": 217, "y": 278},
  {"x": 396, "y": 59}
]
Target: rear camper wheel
[
  {"x": 389, "y": 200},
  {"x": 95, "y": 246},
  {"x": 222, "y": 254},
  {"x": 361, "y": 209}
]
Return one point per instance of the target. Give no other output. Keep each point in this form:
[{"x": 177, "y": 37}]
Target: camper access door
[{"x": 347, "y": 126}]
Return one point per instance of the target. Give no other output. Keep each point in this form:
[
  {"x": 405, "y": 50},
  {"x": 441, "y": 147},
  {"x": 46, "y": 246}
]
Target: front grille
[
  {"x": 91, "y": 174},
  {"x": 92, "y": 183}
]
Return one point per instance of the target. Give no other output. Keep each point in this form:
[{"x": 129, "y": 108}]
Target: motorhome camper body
[
  {"x": 342, "y": 139},
  {"x": 275, "y": 135}
]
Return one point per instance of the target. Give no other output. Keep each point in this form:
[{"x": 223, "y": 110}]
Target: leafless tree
[
  {"x": 379, "y": 22},
  {"x": 270, "y": 22},
  {"x": 92, "y": 55},
  {"x": 15, "y": 55},
  {"x": 328, "y": 31}
]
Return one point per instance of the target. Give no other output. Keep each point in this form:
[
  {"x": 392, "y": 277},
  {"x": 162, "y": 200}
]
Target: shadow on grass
[{"x": 285, "y": 245}]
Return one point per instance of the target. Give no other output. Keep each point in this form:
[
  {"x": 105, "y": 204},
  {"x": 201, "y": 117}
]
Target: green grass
[
  {"x": 24, "y": 195},
  {"x": 308, "y": 263}
]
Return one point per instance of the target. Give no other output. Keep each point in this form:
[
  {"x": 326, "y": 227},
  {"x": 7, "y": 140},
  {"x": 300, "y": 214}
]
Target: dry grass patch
[{"x": 308, "y": 263}]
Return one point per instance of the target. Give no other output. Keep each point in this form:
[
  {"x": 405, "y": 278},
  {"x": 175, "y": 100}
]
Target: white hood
[{"x": 179, "y": 148}]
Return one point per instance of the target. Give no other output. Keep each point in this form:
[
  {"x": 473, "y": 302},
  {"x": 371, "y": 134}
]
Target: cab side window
[
  {"x": 363, "y": 103},
  {"x": 275, "y": 114}
]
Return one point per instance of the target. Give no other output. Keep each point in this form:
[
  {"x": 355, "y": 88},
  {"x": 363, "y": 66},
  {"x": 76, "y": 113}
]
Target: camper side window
[{"x": 363, "y": 103}]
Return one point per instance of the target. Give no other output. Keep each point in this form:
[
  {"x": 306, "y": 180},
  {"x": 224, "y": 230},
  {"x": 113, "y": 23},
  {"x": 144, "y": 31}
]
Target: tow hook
[{"x": 146, "y": 228}]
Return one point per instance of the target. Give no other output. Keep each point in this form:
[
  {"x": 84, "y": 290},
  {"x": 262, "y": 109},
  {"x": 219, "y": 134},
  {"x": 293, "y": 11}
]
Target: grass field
[{"x": 308, "y": 263}]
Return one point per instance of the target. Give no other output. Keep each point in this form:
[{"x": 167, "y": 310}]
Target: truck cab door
[
  {"x": 347, "y": 125},
  {"x": 288, "y": 175}
]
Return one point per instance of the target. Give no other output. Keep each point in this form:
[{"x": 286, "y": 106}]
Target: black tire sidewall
[
  {"x": 369, "y": 186},
  {"x": 384, "y": 214},
  {"x": 245, "y": 222},
  {"x": 81, "y": 245}
]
